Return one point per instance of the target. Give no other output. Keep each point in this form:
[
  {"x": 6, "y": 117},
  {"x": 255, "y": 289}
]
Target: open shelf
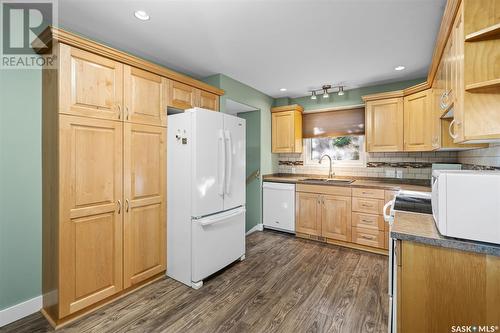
[
  {"x": 482, "y": 86},
  {"x": 491, "y": 32}
]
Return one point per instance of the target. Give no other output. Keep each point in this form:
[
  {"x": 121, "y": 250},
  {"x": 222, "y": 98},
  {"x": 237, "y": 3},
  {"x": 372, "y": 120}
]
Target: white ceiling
[{"x": 270, "y": 44}]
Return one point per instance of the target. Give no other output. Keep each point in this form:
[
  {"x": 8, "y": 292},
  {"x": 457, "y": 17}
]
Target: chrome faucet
[{"x": 331, "y": 174}]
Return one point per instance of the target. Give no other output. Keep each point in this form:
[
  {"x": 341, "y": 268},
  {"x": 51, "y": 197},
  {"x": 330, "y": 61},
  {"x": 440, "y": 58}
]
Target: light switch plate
[{"x": 399, "y": 173}]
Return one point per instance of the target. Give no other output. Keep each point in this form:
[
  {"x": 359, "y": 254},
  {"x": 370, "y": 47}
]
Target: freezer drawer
[
  {"x": 217, "y": 241},
  {"x": 279, "y": 206}
]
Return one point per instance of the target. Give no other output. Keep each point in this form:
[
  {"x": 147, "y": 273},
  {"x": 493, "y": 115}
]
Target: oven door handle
[{"x": 388, "y": 217}]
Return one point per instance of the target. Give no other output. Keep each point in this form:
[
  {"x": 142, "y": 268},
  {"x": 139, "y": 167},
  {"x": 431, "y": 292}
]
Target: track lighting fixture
[{"x": 325, "y": 91}]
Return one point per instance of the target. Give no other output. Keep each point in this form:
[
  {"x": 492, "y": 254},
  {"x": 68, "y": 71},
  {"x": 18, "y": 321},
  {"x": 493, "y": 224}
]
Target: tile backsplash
[
  {"x": 486, "y": 157},
  {"x": 388, "y": 165}
]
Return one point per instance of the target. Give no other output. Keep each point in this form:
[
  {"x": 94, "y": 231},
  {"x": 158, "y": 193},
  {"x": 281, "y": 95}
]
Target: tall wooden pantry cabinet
[{"x": 104, "y": 175}]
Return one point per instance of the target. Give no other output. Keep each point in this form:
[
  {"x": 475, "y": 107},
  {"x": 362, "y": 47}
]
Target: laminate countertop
[
  {"x": 391, "y": 184},
  {"x": 421, "y": 228}
]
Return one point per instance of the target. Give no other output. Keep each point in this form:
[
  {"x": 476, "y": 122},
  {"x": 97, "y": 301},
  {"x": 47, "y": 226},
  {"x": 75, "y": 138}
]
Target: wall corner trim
[
  {"x": 258, "y": 227},
  {"x": 20, "y": 310}
]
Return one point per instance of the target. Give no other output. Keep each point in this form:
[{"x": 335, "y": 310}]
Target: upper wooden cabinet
[
  {"x": 144, "y": 100},
  {"x": 384, "y": 125},
  {"x": 287, "y": 129},
  {"x": 418, "y": 122},
  {"x": 181, "y": 96},
  {"x": 472, "y": 84},
  {"x": 207, "y": 100},
  {"x": 90, "y": 85}
]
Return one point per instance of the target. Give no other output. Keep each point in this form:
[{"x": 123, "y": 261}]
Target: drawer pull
[
  {"x": 367, "y": 237},
  {"x": 366, "y": 205},
  {"x": 366, "y": 221}
]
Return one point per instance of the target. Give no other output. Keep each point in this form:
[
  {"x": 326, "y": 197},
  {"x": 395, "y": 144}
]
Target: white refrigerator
[{"x": 206, "y": 194}]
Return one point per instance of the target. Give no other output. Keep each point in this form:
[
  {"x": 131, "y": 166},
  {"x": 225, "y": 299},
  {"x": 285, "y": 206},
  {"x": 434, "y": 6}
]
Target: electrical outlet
[
  {"x": 390, "y": 173},
  {"x": 399, "y": 173}
]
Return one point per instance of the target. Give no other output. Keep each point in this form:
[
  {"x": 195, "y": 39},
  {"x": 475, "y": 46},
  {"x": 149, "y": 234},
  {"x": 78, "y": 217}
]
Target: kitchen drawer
[
  {"x": 370, "y": 206},
  {"x": 368, "y": 193},
  {"x": 368, "y": 237},
  {"x": 324, "y": 189},
  {"x": 368, "y": 221}
]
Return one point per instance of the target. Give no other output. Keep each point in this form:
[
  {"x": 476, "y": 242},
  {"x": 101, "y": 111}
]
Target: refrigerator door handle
[
  {"x": 206, "y": 221},
  {"x": 229, "y": 160},
  {"x": 222, "y": 163}
]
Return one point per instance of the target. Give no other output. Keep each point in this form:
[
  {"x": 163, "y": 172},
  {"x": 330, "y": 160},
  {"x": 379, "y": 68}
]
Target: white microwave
[{"x": 466, "y": 204}]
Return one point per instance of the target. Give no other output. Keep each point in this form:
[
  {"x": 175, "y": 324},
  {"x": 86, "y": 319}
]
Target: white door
[
  {"x": 217, "y": 240},
  {"x": 235, "y": 141},
  {"x": 208, "y": 158}
]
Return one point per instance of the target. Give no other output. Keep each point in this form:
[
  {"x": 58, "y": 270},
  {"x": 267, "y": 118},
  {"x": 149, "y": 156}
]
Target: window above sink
[{"x": 348, "y": 151}]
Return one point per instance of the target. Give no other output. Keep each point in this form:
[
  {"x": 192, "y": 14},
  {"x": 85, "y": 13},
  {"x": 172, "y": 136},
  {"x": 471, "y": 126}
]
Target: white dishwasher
[{"x": 279, "y": 206}]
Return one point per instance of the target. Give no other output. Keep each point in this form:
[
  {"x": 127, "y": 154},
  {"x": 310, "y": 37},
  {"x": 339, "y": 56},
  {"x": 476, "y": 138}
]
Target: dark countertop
[
  {"x": 421, "y": 228},
  {"x": 380, "y": 183}
]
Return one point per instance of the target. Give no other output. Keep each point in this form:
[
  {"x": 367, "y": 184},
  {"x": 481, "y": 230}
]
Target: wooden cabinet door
[
  {"x": 143, "y": 97},
  {"x": 336, "y": 217},
  {"x": 384, "y": 125},
  {"x": 144, "y": 207},
  {"x": 180, "y": 95},
  {"x": 90, "y": 211},
  {"x": 283, "y": 139},
  {"x": 418, "y": 121},
  {"x": 308, "y": 214},
  {"x": 207, "y": 100},
  {"x": 90, "y": 86}
]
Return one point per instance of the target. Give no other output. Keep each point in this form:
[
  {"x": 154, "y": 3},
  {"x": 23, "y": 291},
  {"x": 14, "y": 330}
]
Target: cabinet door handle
[
  {"x": 450, "y": 130},
  {"x": 119, "y": 203},
  {"x": 119, "y": 111},
  {"x": 126, "y": 112},
  {"x": 126, "y": 205}
]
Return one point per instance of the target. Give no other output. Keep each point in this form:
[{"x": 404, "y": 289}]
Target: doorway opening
[{"x": 253, "y": 183}]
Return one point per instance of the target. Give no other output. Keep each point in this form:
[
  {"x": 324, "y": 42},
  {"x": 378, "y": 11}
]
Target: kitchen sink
[{"x": 328, "y": 181}]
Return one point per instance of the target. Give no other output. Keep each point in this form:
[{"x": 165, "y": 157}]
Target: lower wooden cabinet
[
  {"x": 144, "y": 206},
  {"x": 344, "y": 216},
  {"x": 439, "y": 288},
  {"x": 104, "y": 218},
  {"x": 336, "y": 217},
  {"x": 368, "y": 237},
  {"x": 308, "y": 215},
  {"x": 323, "y": 214},
  {"x": 90, "y": 227}
]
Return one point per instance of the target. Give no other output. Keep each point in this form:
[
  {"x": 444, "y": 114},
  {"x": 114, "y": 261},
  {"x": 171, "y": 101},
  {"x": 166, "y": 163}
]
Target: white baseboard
[
  {"x": 20, "y": 310},
  {"x": 258, "y": 227}
]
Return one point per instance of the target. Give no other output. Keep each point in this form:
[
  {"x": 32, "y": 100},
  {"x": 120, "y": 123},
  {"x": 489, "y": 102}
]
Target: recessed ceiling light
[
  {"x": 283, "y": 89},
  {"x": 141, "y": 15},
  {"x": 399, "y": 68}
]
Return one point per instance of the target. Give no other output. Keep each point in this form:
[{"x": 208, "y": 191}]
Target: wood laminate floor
[{"x": 286, "y": 284}]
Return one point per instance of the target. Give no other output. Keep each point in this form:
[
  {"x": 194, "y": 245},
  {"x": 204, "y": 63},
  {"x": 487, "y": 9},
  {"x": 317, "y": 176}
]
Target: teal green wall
[
  {"x": 20, "y": 186},
  {"x": 351, "y": 97},
  {"x": 253, "y": 191},
  {"x": 245, "y": 94}
]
